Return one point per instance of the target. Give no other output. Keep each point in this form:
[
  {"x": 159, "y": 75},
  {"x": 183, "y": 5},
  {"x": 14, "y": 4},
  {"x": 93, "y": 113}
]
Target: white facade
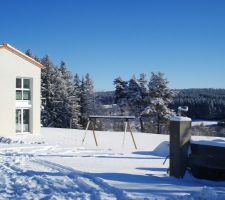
[{"x": 14, "y": 65}]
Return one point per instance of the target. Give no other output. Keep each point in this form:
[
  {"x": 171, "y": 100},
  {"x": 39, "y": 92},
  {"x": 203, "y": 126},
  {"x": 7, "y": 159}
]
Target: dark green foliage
[
  {"x": 208, "y": 104},
  {"x": 145, "y": 99},
  {"x": 121, "y": 95},
  {"x": 87, "y": 101},
  {"x": 134, "y": 98},
  {"x": 105, "y": 98}
]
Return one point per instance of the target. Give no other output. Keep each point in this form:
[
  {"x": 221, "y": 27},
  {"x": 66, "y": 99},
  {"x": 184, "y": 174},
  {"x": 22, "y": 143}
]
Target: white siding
[{"x": 12, "y": 66}]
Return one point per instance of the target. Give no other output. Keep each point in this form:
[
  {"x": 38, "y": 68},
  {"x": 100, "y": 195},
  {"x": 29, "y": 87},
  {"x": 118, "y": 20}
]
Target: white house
[{"x": 20, "y": 80}]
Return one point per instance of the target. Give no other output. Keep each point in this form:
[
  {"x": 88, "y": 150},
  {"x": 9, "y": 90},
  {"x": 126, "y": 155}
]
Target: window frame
[
  {"x": 22, "y": 130},
  {"x": 22, "y": 89}
]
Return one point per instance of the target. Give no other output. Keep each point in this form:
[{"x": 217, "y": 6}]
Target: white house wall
[{"x": 11, "y": 67}]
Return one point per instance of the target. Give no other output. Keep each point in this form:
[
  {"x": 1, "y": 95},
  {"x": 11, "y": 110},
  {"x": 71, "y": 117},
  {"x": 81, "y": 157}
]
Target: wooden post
[
  {"x": 132, "y": 135},
  {"x": 71, "y": 122},
  {"x": 158, "y": 125},
  {"x": 86, "y": 131},
  {"x": 142, "y": 125},
  {"x": 93, "y": 129},
  {"x": 124, "y": 135}
]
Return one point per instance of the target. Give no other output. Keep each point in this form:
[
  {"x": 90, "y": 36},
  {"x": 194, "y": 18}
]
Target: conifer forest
[{"x": 68, "y": 100}]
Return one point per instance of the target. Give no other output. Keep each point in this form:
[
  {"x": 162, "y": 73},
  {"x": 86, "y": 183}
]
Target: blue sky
[{"x": 185, "y": 39}]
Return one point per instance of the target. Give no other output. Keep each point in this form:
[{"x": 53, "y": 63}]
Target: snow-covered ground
[
  {"x": 203, "y": 123},
  {"x": 55, "y": 165}
]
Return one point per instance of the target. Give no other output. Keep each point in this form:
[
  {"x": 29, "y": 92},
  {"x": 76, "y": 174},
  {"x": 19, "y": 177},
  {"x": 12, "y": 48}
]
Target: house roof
[{"x": 20, "y": 54}]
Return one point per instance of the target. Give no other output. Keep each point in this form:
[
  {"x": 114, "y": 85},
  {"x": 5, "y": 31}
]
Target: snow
[
  {"x": 112, "y": 116},
  {"x": 54, "y": 165},
  {"x": 207, "y": 140},
  {"x": 203, "y": 123},
  {"x": 180, "y": 119}
]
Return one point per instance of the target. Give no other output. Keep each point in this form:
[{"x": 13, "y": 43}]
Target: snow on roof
[{"x": 20, "y": 54}]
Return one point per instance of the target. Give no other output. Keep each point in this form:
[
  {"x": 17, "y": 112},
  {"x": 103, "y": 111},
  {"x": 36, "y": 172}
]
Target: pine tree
[
  {"x": 87, "y": 99},
  {"x": 47, "y": 91},
  {"x": 75, "y": 103},
  {"x": 60, "y": 117},
  {"x": 143, "y": 85},
  {"x": 29, "y": 53},
  {"x": 159, "y": 97},
  {"x": 77, "y": 83},
  {"x": 64, "y": 90},
  {"x": 144, "y": 92},
  {"x": 134, "y": 96},
  {"x": 121, "y": 94},
  {"x": 60, "y": 94}
]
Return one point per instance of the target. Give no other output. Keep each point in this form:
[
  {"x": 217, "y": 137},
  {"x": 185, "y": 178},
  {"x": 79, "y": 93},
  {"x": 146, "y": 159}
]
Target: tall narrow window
[
  {"x": 23, "y": 89},
  {"x": 18, "y": 120},
  {"x": 22, "y": 120}
]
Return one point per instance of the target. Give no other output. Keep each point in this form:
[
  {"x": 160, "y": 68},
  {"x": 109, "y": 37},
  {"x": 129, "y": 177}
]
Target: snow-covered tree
[
  {"x": 63, "y": 95},
  {"x": 143, "y": 85},
  {"x": 144, "y": 92},
  {"x": 65, "y": 109},
  {"x": 134, "y": 97},
  {"x": 77, "y": 83},
  {"x": 75, "y": 103},
  {"x": 47, "y": 91},
  {"x": 159, "y": 97},
  {"x": 75, "y": 111},
  {"x": 60, "y": 116},
  {"x": 121, "y": 94},
  {"x": 87, "y": 99},
  {"x": 60, "y": 93},
  {"x": 29, "y": 53},
  {"x": 55, "y": 93}
]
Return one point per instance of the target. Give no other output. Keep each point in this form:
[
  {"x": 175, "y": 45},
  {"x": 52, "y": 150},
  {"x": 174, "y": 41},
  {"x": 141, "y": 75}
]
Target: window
[
  {"x": 22, "y": 89},
  {"x": 22, "y": 120}
]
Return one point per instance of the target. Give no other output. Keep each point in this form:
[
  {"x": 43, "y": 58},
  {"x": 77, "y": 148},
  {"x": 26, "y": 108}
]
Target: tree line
[
  {"x": 145, "y": 99},
  {"x": 67, "y": 100},
  {"x": 208, "y": 104}
]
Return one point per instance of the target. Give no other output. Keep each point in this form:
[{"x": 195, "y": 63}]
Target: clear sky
[{"x": 185, "y": 39}]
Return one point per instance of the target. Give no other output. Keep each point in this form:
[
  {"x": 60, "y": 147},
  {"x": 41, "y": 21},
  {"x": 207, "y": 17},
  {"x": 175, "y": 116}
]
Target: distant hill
[
  {"x": 208, "y": 104},
  {"x": 104, "y": 98}
]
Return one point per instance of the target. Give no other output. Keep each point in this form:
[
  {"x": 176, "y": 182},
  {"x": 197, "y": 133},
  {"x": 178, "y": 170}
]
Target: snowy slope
[{"x": 55, "y": 165}]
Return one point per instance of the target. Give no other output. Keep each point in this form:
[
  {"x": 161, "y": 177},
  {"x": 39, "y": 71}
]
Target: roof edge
[{"x": 20, "y": 54}]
